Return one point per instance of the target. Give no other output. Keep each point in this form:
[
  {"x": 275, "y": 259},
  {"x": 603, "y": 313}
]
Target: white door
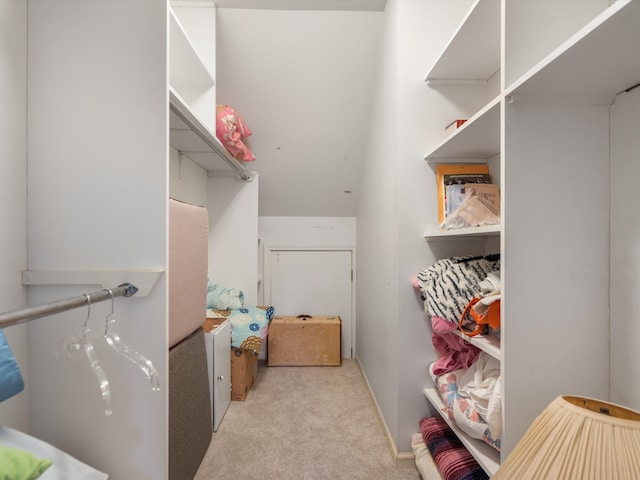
[{"x": 312, "y": 282}]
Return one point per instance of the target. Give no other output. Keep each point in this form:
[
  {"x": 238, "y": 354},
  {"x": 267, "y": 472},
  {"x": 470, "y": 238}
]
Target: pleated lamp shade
[{"x": 577, "y": 438}]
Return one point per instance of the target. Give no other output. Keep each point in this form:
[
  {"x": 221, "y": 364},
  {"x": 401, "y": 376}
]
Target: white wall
[
  {"x": 424, "y": 29},
  {"x": 397, "y": 204},
  {"x": 377, "y": 223},
  {"x": 297, "y": 232},
  {"x": 188, "y": 181},
  {"x": 98, "y": 189},
  {"x": 13, "y": 191},
  {"x": 307, "y": 231},
  {"x": 625, "y": 251},
  {"x": 232, "y": 205},
  {"x": 233, "y": 234},
  {"x": 302, "y": 82}
]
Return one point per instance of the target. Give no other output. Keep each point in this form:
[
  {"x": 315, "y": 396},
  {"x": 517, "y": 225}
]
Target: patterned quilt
[
  {"x": 472, "y": 398},
  {"x": 249, "y": 326}
]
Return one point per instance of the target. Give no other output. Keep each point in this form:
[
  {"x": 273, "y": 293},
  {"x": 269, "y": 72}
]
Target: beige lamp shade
[{"x": 577, "y": 438}]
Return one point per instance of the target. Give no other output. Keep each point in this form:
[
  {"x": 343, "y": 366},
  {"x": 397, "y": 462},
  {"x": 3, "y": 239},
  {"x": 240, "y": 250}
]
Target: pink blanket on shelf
[{"x": 453, "y": 352}]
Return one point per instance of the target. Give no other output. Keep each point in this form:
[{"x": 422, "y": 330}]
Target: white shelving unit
[
  {"x": 192, "y": 97},
  {"x": 187, "y": 68},
  {"x": 547, "y": 124},
  {"x": 472, "y": 55},
  {"x": 580, "y": 70},
  {"x": 463, "y": 234},
  {"x": 488, "y": 344},
  {"x": 486, "y": 456},
  {"x": 476, "y": 140}
]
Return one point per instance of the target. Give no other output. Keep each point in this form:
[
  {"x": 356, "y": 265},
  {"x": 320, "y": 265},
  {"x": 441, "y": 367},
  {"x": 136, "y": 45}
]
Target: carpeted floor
[{"x": 303, "y": 423}]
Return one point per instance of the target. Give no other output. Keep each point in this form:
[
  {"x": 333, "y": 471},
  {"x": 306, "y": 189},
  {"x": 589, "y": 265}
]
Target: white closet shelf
[
  {"x": 187, "y": 69},
  {"x": 144, "y": 280},
  {"x": 190, "y": 136},
  {"x": 580, "y": 69},
  {"x": 477, "y": 139},
  {"x": 490, "y": 345},
  {"x": 472, "y": 55},
  {"x": 486, "y": 456},
  {"x": 463, "y": 233}
]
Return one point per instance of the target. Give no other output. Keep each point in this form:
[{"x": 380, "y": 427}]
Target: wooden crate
[
  {"x": 244, "y": 369},
  {"x": 304, "y": 341}
]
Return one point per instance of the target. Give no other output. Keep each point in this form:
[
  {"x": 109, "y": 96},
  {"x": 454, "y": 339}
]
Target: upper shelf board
[
  {"x": 478, "y": 138},
  {"x": 190, "y": 136},
  {"x": 473, "y": 52},
  {"x": 187, "y": 69},
  {"x": 473, "y": 233},
  {"x": 580, "y": 70},
  {"x": 488, "y": 344}
]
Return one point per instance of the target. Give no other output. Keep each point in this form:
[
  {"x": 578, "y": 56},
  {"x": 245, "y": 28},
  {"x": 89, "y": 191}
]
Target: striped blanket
[
  {"x": 453, "y": 460},
  {"x": 447, "y": 286}
]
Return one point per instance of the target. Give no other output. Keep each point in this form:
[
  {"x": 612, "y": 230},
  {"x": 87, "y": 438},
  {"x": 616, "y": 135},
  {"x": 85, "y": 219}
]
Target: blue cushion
[{"x": 11, "y": 382}]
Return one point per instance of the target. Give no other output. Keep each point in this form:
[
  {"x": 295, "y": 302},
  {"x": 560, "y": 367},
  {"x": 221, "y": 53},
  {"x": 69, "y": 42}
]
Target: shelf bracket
[{"x": 144, "y": 280}]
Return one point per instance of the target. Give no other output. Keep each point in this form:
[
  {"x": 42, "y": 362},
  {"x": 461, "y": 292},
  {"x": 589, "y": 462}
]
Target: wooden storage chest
[{"x": 304, "y": 341}]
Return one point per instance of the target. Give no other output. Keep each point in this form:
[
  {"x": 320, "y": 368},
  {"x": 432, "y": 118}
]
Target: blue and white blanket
[{"x": 249, "y": 325}]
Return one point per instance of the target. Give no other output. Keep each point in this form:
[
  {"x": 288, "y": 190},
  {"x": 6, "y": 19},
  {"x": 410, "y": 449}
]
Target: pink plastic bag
[{"x": 230, "y": 130}]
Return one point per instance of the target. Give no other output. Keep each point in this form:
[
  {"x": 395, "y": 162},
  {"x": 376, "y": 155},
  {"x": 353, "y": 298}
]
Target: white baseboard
[{"x": 403, "y": 460}]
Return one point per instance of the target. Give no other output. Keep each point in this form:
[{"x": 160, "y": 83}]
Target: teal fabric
[
  {"x": 221, "y": 298},
  {"x": 11, "y": 382}
]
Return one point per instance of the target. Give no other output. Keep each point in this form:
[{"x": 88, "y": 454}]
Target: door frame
[{"x": 266, "y": 277}]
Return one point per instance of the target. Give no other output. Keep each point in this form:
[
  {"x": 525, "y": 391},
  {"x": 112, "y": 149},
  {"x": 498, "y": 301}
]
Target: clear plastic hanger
[
  {"x": 126, "y": 351},
  {"x": 83, "y": 341}
]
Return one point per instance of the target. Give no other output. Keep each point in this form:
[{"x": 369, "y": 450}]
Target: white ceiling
[
  {"x": 303, "y": 82},
  {"x": 355, "y": 5}
]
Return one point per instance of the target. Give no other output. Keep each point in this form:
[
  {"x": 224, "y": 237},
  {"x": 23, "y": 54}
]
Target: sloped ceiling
[{"x": 302, "y": 80}]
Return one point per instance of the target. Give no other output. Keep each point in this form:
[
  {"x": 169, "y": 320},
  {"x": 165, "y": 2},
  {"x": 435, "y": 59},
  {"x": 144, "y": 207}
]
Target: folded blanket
[
  {"x": 453, "y": 351},
  {"x": 472, "y": 399},
  {"x": 479, "y": 391},
  {"x": 447, "y": 286},
  {"x": 224, "y": 298},
  {"x": 453, "y": 460},
  {"x": 249, "y": 327},
  {"x": 424, "y": 463}
]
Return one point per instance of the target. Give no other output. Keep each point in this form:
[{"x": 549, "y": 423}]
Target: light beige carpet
[{"x": 303, "y": 423}]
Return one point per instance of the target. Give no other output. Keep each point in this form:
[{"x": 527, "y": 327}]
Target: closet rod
[{"x": 31, "y": 313}]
